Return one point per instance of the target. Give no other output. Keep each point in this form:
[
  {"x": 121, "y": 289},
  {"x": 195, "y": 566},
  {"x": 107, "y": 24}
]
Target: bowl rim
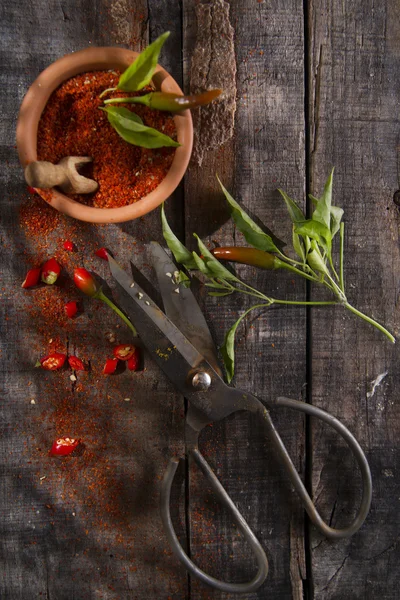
[{"x": 35, "y": 100}]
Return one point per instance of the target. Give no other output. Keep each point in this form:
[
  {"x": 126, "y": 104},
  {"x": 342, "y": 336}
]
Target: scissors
[{"x": 180, "y": 342}]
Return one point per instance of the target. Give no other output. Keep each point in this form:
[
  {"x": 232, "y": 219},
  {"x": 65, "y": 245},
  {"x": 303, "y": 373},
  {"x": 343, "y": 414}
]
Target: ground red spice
[
  {"x": 38, "y": 218},
  {"x": 73, "y": 125},
  {"x": 94, "y": 487}
]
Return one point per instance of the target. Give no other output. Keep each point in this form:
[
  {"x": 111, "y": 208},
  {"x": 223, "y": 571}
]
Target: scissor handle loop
[
  {"x": 355, "y": 447},
  {"x": 249, "y": 536}
]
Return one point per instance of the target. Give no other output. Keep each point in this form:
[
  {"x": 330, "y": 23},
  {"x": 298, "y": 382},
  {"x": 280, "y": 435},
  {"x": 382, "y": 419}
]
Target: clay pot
[{"x": 95, "y": 59}]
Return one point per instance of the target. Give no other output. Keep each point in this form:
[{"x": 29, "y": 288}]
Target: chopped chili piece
[
  {"x": 32, "y": 278},
  {"x": 76, "y": 364},
  {"x": 64, "y": 446},
  {"x": 50, "y": 271},
  {"x": 133, "y": 362},
  {"x": 31, "y": 189},
  {"x": 68, "y": 245},
  {"x": 124, "y": 351},
  {"x": 53, "y": 361},
  {"x": 102, "y": 253},
  {"x": 71, "y": 308},
  {"x": 110, "y": 366}
]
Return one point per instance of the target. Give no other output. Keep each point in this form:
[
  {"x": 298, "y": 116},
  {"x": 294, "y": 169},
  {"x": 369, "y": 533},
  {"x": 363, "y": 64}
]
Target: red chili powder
[
  {"x": 37, "y": 218},
  {"x": 73, "y": 125}
]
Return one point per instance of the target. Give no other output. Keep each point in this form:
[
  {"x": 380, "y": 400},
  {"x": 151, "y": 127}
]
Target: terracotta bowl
[{"x": 96, "y": 59}]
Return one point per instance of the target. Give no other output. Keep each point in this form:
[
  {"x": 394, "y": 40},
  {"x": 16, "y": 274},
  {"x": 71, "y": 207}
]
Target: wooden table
[{"x": 317, "y": 86}]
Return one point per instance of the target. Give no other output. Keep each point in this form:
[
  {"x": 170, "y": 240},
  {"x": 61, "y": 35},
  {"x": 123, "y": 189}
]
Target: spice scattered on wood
[
  {"x": 73, "y": 125},
  {"x": 37, "y": 218},
  {"x": 80, "y": 405}
]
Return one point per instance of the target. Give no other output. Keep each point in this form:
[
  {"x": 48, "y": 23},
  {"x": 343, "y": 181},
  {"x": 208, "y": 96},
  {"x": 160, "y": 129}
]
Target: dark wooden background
[{"x": 317, "y": 86}]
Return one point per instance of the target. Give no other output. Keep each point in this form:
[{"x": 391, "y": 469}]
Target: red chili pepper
[
  {"x": 64, "y": 446},
  {"x": 133, "y": 363},
  {"x": 31, "y": 189},
  {"x": 85, "y": 282},
  {"x": 32, "y": 278},
  {"x": 110, "y": 366},
  {"x": 76, "y": 364},
  {"x": 102, "y": 253},
  {"x": 248, "y": 256},
  {"x": 68, "y": 245},
  {"x": 53, "y": 361},
  {"x": 71, "y": 308},
  {"x": 169, "y": 101},
  {"x": 124, "y": 351},
  {"x": 50, "y": 271}
]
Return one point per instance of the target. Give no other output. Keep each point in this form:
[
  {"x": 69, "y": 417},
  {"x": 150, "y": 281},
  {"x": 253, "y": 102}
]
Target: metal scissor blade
[
  {"x": 182, "y": 307},
  {"x": 168, "y": 346}
]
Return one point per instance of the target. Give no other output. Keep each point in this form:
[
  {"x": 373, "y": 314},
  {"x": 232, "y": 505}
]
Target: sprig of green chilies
[
  {"x": 312, "y": 244},
  {"x": 137, "y": 76}
]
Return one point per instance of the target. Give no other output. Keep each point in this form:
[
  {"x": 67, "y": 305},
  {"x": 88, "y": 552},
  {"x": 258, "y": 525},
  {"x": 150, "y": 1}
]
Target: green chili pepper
[
  {"x": 248, "y": 256},
  {"x": 168, "y": 101}
]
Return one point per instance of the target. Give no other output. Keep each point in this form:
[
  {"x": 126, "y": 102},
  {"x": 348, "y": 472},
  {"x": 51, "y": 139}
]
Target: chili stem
[
  {"x": 111, "y": 304},
  {"x": 341, "y": 257},
  {"x": 128, "y": 100},
  {"x": 336, "y": 289},
  {"x": 308, "y": 303},
  {"x": 297, "y": 271},
  {"x": 291, "y": 260},
  {"x": 104, "y": 92},
  {"x": 371, "y": 321},
  {"x": 333, "y": 269},
  {"x": 253, "y": 292}
]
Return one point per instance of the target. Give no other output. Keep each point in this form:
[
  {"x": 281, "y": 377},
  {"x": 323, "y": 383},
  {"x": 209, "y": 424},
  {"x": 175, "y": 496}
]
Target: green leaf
[
  {"x": 295, "y": 212},
  {"x": 322, "y": 212},
  {"x": 214, "y": 267},
  {"x": 336, "y": 217},
  {"x": 253, "y": 234},
  {"x": 140, "y": 72},
  {"x": 183, "y": 279},
  {"x": 216, "y": 285},
  {"x": 130, "y": 127},
  {"x": 201, "y": 265},
  {"x": 228, "y": 347},
  {"x": 316, "y": 231},
  {"x": 180, "y": 252},
  {"x": 316, "y": 262},
  {"x": 298, "y": 245},
  {"x": 228, "y": 293}
]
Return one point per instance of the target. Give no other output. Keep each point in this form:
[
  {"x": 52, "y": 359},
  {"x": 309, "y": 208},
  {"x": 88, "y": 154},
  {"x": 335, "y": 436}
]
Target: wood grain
[
  {"x": 267, "y": 152},
  {"x": 354, "y": 125},
  {"x": 90, "y": 527}
]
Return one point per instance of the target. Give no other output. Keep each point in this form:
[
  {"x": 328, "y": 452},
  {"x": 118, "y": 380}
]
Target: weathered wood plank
[
  {"x": 354, "y": 63},
  {"x": 88, "y": 527},
  {"x": 267, "y": 152}
]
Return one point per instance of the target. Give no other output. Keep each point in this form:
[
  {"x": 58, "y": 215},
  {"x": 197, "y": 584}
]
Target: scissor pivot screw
[{"x": 201, "y": 380}]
